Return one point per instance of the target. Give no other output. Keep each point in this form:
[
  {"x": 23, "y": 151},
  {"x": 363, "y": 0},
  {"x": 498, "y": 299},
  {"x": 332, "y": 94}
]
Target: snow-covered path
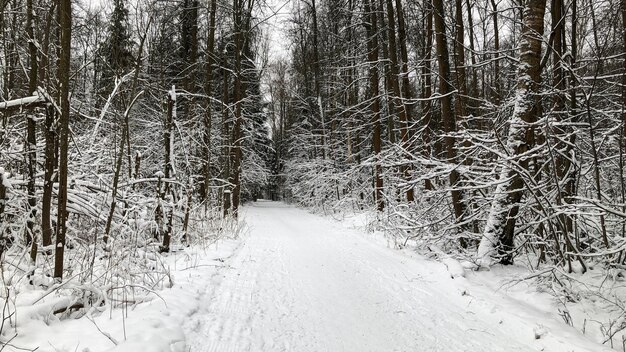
[{"x": 304, "y": 283}]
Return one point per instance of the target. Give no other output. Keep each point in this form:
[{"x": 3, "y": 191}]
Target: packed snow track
[{"x": 304, "y": 283}]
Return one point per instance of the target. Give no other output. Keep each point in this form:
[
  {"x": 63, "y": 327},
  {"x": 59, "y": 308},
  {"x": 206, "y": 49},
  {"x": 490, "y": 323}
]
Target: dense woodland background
[{"x": 491, "y": 129}]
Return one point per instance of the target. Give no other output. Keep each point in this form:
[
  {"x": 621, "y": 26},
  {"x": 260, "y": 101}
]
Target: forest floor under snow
[{"x": 301, "y": 282}]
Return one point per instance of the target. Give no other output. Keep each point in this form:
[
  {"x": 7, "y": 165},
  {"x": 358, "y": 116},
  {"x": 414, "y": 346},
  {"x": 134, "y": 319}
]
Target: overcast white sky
[{"x": 276, "y": 27}]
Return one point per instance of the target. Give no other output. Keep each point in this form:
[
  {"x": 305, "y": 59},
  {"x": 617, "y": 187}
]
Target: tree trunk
[
  {"x": 168, "y": 136},
  {"x": 372, "y": 57},
  {"x": 407, "y": 93},
  {"x": 208, "y": 90},
  {"x": 399, "y": 103},
  {"x": 65, "y": 20},
  {"x": 448, "y": 117},
  {"x": 50, "y": 137},
  {"x": 427, "y": 105},
  {"x": 459, "y": 61},
  {"x": 623, "y": 8},
  {"x": 496, "y": 49},
  {"x": 31, "y": 139},
  {"x": 498, "y": 237},
  {"x": 226, "y": 193},
  {"x": 391, "y": 109},
  {"x": 317, "y": 76},
  {"x": 474, "y": 85},
  {"x": 238, "y": 96}
]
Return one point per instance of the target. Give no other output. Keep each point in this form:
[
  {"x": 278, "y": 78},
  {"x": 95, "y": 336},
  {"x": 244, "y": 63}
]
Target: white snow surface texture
[{"x": 304, "y": 283}]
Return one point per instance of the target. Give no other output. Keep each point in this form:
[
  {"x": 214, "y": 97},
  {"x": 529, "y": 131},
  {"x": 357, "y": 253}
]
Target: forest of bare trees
[
  {"x": 494, "y": 130},
  {"x": 490, "y": 128}
]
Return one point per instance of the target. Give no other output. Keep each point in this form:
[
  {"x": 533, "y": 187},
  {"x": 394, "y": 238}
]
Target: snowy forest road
[{"x": 303, "y": 283}]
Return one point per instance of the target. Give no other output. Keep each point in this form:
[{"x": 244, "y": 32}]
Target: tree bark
[
  {"x": 399, "y": 102},
  {"x": 65, "y": 14},
  {"x": 238, "y": 96},
  {"x": 372, "y": 57},
  {"x": 50, "y": 137},
  {"x": 427, "y": 105},
  {"x": 208, "y": 90},
  {"x": 496, "y": 48},
  {"x": 317, "y": 76},
  {"x": 623, "y": 10},
  {"x": 391, "y": 108},
  {"x": 498, "y": 236},
  {"x": 31, "y": 139},
  {"x": 448, "y": 117},
  {"x": 474, "y": 85}
]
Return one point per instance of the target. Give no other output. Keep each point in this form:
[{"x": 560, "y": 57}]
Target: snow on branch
[{"x": 34, "y": 100}]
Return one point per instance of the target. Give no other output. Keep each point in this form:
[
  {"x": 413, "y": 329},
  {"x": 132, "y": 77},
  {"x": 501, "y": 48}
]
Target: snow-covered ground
[
  {"x": 150, "y": 323},
  {"x": 300, "y": 282},
  {"x": 305, "y": 283}
]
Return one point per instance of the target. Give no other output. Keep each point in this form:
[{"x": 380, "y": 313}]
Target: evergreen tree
[{"x": 114, "y": 56}]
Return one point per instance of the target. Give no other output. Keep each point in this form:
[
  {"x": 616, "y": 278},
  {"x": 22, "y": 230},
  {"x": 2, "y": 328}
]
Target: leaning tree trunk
[{"x": 498, "y": 236}]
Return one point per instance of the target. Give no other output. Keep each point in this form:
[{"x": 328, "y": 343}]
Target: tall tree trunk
[
  {"x": 496, "y": 48},
  {"x": 65, "y": 20},
  {"x": 399, "y": 102},
  {"x": 498, "y": 237},
  {"x": 474, "y": 85},
  {"x": 50, "y": 137},
  {"x": 226, "y": 140},
  {"x": 623, "y": 9},
  {"x": 391, "y": 108},
  {"x": 623, "y": 139},
  {"x": 208, "y": 90},
  {"x": 238, "y": 96},
  {"x": 318, "y": 76},
  {"x": 31, "y": 139},
  {"x": 372, "y": 57},
  {"x": 168, "y": 135},
  {"x": 459, "y": 61},
  {"x": 427, "y": 105},
  {"x": 407, "y": 93},
  {"x": 448, "y": 117}
]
